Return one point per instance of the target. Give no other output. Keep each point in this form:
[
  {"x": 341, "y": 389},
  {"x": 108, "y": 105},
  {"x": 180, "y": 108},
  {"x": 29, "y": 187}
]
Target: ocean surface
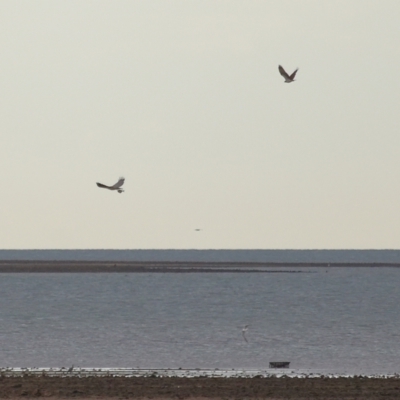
[{"x": 343, "y": 320}]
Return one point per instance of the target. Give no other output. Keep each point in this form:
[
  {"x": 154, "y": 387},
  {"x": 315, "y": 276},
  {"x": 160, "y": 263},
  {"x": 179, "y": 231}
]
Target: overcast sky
[{"x": 184, "y": 99}]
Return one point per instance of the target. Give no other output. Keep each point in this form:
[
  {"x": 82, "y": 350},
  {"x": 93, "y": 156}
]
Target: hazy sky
[{"x": 185, "y": 100}]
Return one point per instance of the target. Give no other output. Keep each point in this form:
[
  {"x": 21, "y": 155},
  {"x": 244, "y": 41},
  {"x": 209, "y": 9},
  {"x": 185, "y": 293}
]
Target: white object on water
[{"x": 244, "y": 330}]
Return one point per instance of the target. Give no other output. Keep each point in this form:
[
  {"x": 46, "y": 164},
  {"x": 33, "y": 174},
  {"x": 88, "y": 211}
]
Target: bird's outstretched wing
[
  {"x": 119, "y": 183},
  {"x": 284, "y": 74},
  {"x": 102, "y": 186},
  {"x": 293, "y": 75}
]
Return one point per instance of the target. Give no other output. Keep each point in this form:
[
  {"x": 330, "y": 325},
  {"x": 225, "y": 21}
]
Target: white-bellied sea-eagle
[
  {"x": 288, "y": 78},
  {"x": 116, "y": 186}
]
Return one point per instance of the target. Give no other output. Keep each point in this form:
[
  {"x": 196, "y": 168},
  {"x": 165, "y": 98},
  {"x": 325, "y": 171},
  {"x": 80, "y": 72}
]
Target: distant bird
[
  {"x": 197, "y": 230},
  {"x": 117, "y": 186},
  {"x": 71, "y": 368},
  {"x": 244, "y": 330},
  {"x": 288, "y": 78}
]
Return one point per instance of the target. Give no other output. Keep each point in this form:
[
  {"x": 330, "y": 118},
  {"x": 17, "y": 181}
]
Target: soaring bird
[
  {"x": 117, "y": 186},
  {"x": 288, "y": 78}
]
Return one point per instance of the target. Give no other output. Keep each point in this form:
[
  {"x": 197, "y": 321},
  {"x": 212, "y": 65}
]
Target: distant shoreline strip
[{"x": 172, "y": 267}]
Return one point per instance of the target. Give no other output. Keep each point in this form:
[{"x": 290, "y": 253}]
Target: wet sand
[{"x": 30, "y": 387}]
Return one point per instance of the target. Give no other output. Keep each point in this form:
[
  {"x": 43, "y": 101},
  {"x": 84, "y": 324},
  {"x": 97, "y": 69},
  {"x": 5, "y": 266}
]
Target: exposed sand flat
[
  {"x": 199, "y": 388},
  {"x": 127, "y": 267}
]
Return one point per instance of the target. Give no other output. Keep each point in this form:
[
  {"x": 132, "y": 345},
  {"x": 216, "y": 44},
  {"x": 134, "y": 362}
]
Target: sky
[{"x": 184, "y": 99}]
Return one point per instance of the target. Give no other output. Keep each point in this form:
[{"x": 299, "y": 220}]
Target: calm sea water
[{"x": 335, "y": 319}]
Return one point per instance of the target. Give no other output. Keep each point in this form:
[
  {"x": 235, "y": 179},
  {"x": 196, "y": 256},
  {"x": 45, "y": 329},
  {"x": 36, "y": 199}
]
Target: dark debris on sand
[{"x": 211, "y": 388}]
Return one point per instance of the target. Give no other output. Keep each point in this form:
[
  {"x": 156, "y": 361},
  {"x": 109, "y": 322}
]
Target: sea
[{"x": 327, "y": 318}]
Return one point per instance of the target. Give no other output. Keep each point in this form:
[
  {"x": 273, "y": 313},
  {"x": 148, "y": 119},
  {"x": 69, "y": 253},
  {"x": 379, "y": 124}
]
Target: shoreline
[
  {"x": 230, "y": 373},
  {"x": 25, "y": 266}
]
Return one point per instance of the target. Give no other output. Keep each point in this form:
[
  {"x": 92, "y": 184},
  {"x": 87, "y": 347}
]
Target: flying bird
[
  {"x": 117, "y": 186},
  {"x": 288, "y": 78},
  {"x": 244, "y": 330}
]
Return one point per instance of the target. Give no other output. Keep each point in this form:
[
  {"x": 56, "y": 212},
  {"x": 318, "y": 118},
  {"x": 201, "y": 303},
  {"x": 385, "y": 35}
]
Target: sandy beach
[{"x": 29, "y": 387}]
